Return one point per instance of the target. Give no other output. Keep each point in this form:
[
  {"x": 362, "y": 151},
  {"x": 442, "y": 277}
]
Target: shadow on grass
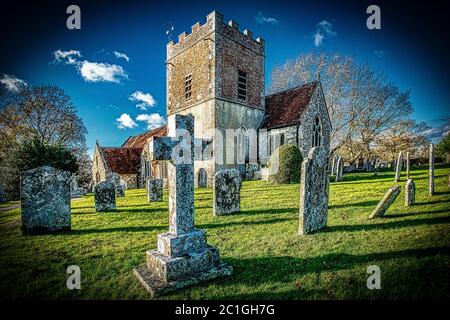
[
  {"x": 390, "y": 225},
  {"x": 255, "y": 272},
  {"x": 241, "y": 223},
  {"x": 111, "y": 230},
  {"x": 357, "y": 204},
  {"x": 266, "y": 211}
]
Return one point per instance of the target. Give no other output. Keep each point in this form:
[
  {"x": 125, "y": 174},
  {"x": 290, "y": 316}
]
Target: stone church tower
[{"x": 216, "y": 73}]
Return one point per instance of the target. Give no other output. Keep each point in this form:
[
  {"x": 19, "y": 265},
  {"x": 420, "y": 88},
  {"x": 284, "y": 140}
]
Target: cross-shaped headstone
[{"x": 180, "y": 149}]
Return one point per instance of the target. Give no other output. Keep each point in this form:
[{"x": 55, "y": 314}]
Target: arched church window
[
  {"x": 281, "y": 139},
  {"x": 317, "y": 132}
]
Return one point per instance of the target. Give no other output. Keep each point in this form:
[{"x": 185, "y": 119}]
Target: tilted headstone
[
  {"x": 183, "y": 257},
  {"x": 226, "y": 192},
  {"x": 105, "y": 196},
  {"x": 154, "y": 189},
  {"x": 398, "y": 169},
  {"x": 410, "y": 193},
  {"x": 431, "y": 171},
  {"x": 314, "y": 188},
  {"x": 339, "y": 169},
  {"x": 386, "y": 202},
  {"x": 45, "y": 200}
]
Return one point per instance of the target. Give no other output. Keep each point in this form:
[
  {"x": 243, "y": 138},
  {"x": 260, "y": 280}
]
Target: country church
[{"x": 216, "y": 73}]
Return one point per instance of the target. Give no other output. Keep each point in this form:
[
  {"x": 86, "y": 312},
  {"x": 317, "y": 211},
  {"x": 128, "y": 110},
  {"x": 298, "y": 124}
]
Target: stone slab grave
[
  {"x": 386, "y": 202},
  {"x": 339, "y": 169},
  {"x": 398, "y": 169},
  {"x": 154, "y": 189},
  {"x": 183, "y": 256},
  {"x": 431, "y": 171},
  {"x": 118, "y": 185},
  {"x": 226, "y": 192},
  {"x": 407, "y": 165},
  {"x": 45, "y": 200},
  {"x": 314, "y": 190},
  {"x": 410, "y": 193},
  {"x": 105, "y": 196},
  {"x": 75, "y": 190}
]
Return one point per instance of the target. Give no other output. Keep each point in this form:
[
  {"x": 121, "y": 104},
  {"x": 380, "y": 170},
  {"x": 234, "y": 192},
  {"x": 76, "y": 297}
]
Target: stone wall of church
[
  {"x": 131, "y": 180},
  {"x": 316, "y": 107},
  {"x": 193, "y": 54},
  {"x": 238, "y": 51},
  {"x": 99, "y": 169}
]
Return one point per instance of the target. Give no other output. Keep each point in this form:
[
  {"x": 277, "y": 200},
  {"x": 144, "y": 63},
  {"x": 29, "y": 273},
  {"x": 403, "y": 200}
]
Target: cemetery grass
[{"x": 410, "y": 245}]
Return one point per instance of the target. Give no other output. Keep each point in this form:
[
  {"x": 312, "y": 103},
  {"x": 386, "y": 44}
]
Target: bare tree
[
  {"x": 361, "y": 102},
  {"x": 43, "y": 112}
]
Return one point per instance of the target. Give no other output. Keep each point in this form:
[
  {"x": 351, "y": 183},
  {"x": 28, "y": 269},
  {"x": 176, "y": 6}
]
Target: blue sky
[{"x": 411, "y": 48}]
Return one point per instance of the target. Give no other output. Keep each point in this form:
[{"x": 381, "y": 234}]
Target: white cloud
[
  {"x": 68, "y": 57},
  {"x": 101, "y": 72},
  {"x": 323, "y": 29},
  {"x": 153, "y": 120},
  {"x": 146, "y": 100},
  {"x": 261, "y": 19},
  {"x": 120, "y": 55},
  {"x": 437, "y": 132},
  {"x": 125, "y": 121},
  {"x": 12, "y": 83}
]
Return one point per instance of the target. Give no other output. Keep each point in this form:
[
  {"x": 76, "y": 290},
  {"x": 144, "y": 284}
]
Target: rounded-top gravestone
[
  {"x": 105, "y": 196},
  {"x": 45, "y": 200},
  {"x": 226, "y": 192}
]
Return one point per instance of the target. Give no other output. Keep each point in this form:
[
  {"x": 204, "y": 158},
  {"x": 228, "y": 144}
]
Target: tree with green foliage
[
  {"x": 40, "y": 119},
  {"x": 34, "y": 153},
  {"x": 443, "y": 148},
  {"x": 285, "y": 164}
]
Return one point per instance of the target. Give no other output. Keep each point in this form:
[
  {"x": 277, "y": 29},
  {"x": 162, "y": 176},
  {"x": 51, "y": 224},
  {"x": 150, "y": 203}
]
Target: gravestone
[
  {"x": 410, "y": 193},
  {"x": 398, "y": 168},
  {"x": 226, "y": 192},
  {"x": 183, "y": 256},
  {"x": 339, "y": 169},
  {"x": 314, "y": 188},
  {"x": 386, "y": 202},
  {"x": 202, "y": 178},
  {"x": 45, "y": 200},
  {"x": 431, "y": 171},
  {"x": 333, "y": 165},
  {"x": 2, "y": 194},
  {"x": 154, "y": 189},
  {"x": 75, "y": 191},
  {"x": 118, "y": 186},
  {"x": 407, "y": 165},
  {"x": 105, "y": 196}
]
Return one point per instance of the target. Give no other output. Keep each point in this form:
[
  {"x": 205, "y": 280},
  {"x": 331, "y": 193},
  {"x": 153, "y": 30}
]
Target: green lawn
[{"x": 410, "y": 245}]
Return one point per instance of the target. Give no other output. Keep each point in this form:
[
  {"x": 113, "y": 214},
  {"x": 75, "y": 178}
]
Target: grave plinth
[{"x": 183, "y": 256}]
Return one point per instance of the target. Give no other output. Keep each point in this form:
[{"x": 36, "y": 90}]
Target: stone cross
[
  {"x": 386, "y": 202},
  {"x": 314, "y": 188},
  {"x": 410, "y": 193},
  {"x": 431, "y": 171},
  {"x": 181, "y": 149},
  {"x": 398, "y": 170},
  {"x": 183, "y": 256}
]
